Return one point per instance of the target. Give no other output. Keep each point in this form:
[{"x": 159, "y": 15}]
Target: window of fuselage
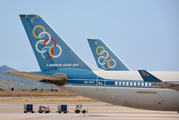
[
  {"x": 131, "y": 84},
  {"x": 138, "y": 84},
  {"x": 127, "y": 83}
]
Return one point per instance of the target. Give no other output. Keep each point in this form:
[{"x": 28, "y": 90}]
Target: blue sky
[{"x": 143, "y": 33}]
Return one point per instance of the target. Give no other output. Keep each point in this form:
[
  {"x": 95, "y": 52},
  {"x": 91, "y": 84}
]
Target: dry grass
[
  {"x": 36, "y": 93},
  {"x": 45, "y": 95},
  {"x": 51, "y": 98}
]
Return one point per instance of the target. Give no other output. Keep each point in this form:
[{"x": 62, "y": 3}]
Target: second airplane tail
[{"x": 105, "y": 58}]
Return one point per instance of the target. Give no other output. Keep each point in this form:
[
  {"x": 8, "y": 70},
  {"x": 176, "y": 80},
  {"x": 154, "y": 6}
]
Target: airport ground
[{"x": 14, "y": 110}]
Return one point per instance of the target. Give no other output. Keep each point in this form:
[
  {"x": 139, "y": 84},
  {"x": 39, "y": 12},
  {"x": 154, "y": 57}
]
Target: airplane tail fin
[
  {"x": 51, "y": 51},
  {"x": 105, "y": 58},
  {"x": 147, "y": 77}
]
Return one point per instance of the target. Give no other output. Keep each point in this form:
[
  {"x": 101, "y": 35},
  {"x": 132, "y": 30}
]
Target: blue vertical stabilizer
[
  {"x": 105, "y": 58},
  {"x": 147, "y": 77},
  {"x": 51, "y": 51}
]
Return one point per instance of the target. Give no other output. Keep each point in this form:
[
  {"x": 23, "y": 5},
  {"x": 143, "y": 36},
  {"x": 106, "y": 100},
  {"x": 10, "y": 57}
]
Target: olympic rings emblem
[
  {"x": 106, "y": 58},
  {"x": 144, "y": 73},
  {"x": 45, "y": 43}
]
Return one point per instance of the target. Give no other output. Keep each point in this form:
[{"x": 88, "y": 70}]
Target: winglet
[{"x": 147, "y": 77}]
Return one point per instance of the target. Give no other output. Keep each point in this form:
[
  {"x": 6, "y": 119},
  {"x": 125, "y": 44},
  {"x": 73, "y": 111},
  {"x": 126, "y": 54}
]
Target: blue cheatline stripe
[{"x": 110, "y": 83}]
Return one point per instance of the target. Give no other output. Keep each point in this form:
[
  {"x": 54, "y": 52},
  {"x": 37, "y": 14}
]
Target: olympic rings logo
[
  {"x": 107, "y": 59},
  {"x": 45, "y": 42},
  {"x": 144, "y": 73}
]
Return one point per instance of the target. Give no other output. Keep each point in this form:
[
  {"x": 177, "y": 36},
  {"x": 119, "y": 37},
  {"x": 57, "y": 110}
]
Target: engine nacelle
[{"x": 62, "y": 79}]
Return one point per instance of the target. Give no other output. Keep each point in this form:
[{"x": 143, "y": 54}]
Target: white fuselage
[{"x": 123, "y": 92}]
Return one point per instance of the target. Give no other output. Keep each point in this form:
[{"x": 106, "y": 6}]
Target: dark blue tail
[
  {"x": 105, "y": 58},
  {"x": 147, "y": 77},
  {"x": 50, "y": 49}
]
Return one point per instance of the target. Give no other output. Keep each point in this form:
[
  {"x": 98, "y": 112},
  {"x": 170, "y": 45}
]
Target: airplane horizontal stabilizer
[
  {"x": 57, "y": 79},
  {"x": 173, "y": 86}
]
